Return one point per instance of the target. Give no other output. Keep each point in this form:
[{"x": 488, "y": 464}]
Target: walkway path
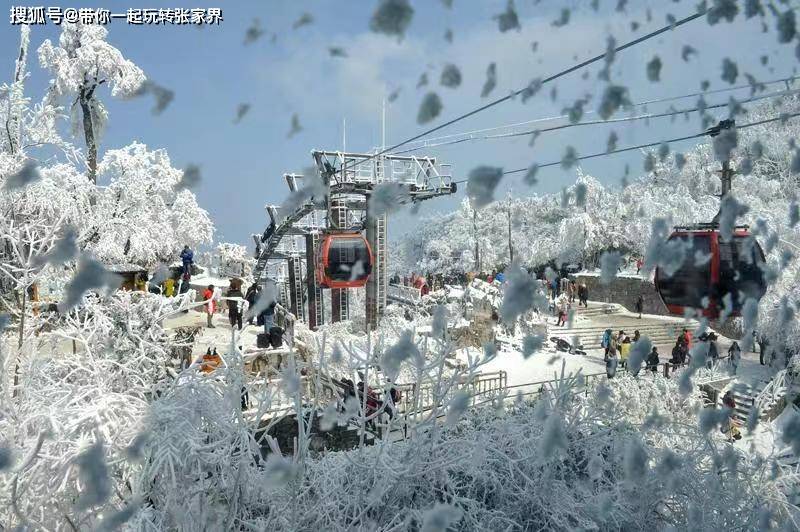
[{"x": 587, "y": 328}]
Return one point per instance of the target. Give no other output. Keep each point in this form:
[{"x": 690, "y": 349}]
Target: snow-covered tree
[{"x": 82, "y": 62}]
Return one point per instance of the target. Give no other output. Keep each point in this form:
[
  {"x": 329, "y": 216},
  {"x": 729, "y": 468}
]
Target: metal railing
[{"x": 404, "y": 294}]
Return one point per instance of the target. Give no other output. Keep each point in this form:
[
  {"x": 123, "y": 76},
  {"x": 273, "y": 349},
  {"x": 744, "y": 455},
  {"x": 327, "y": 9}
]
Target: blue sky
[{"x": 212, "y": 72}]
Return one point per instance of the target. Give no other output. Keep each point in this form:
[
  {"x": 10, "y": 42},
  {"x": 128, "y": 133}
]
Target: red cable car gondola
[
  {"x": 734, "y": 267},
  {"x": 344, "y": 260}
]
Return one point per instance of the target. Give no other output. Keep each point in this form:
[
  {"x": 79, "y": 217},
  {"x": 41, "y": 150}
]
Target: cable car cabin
[
  {"x": 713, "y": 268},
  {"x": 344, "y": 260}
]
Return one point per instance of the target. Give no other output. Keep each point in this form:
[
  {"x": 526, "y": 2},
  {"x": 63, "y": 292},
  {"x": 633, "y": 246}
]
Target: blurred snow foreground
[
  {"x": 107, "y": 434},
  {"x": 107, "y": 422}
]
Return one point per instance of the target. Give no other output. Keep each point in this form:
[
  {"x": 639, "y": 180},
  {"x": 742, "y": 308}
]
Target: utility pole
[
  {"x": 510, "y": 245},
  {"x": 726, "y": 174},
  {"x": 475, "y": 235}
]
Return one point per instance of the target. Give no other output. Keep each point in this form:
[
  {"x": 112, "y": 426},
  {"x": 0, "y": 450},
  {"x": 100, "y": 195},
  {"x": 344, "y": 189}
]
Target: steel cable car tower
[{"x": 342, "y": 245}]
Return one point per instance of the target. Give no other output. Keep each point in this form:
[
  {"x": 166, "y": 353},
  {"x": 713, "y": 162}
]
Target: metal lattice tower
[{"x": 350, "y": 179}]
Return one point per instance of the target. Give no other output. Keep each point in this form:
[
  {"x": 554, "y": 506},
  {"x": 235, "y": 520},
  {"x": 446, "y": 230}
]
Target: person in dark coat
[
  {"x": 250, "y": 297},
  {"x": 235, "y": 306},
  {"x": 639, "y": 305},
  {"x": 652, "y": 360},
  {"x": 187, "y": 259}
]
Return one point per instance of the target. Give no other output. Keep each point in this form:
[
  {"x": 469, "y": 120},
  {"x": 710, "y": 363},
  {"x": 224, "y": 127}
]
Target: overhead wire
[
  {"x": 544, "y": 81},
  {"x": 646, "y": 116},
  {"x": 648, "y": 145},
  {"x": 591, "y": 111}
]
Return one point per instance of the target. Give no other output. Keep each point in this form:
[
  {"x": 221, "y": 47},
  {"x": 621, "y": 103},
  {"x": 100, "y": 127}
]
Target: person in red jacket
[
  {"x": 208, "y": 298},
  {"x": 687, "y": 337}
]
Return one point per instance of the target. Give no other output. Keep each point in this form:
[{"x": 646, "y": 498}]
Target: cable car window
[
  {"x": 343, "y": 255},
  {"x": 691, "y": 283},
  {"x": 747, "y": 277}
]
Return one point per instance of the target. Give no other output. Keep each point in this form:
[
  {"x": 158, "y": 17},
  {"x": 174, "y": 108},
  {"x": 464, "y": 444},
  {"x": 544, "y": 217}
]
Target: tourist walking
[
  {"x": 235, "y": 304},
  {"x": 639, "y": 305},
  {"x": 605, "y": 342},
  {"x": 625, "y": 351},
  {"x": 652, "y": 360},
  {"x": 210, "y": 305},
  {"x": 583, "y": 295},
  {"x": 734, "y": 356}
]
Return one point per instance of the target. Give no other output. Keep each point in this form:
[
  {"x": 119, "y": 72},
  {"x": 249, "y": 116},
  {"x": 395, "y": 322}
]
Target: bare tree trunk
[
  {"x": 20, "y": 339},
  {"x": 14, "y": 120},
  {"x": 88, "y": 133}
]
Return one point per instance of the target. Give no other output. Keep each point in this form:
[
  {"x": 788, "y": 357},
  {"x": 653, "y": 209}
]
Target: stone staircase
[
  {"x": 601, "y": 316},
  {"x": 746, "y": 396}
]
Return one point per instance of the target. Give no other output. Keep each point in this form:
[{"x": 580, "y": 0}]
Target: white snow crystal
[
  {"x": 28, "y": 174},
  {"x": 508, "y": 20},
  {"x": 392, "y": 17},
  {"x": 190, "y": 178},
  {"x": 614, "y": 98},
  {"x": 430, "y": 108},
  {"x": 635, "y": 460},
  {"x": 458, "y": 406},
  {"x": 94, "y": 477},
  {"x": 521, "y": 295},
  {"x": 491, "y": 80},
  {"x": 609, "y": 264},
  {"x": 729, "y": 71},
  {"x": 481, "y": 183},
  {"x": 394, "y": 356},
  {"x": 730, "y": 211},
  {"x": 531, "y": 345},
  {"x": 654, "y": 69},
  {"x": 786, "y": 26},
  {"x": 530, "y": 175},
  {"x": 451, "y": 76},
  {"x": 439, "y": 323},
  {"x": 6, "y": 458},
  {"x": 638, "y": 354},
  {"x": 554, "y": 439},
  {"x": 279, "y": 471},
  {"x": 387, "y": 198},
  {"x": 90, "y": 275},
  {"x": 441, "y": 518}
]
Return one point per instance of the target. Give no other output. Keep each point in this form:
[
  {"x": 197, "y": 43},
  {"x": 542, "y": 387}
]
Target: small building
[{"x": 133, "y": 277}]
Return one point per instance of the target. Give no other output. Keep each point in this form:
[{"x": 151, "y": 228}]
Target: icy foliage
[
  {"x": 83, "y": 52},
  {"x": 141, "y": 184}
]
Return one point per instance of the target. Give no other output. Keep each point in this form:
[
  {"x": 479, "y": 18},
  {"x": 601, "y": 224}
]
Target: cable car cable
[
  {"x": 600, "y": 122},
  {"x": 591, "y": 111},
  {"x": 515, "y": 93},
  {"x": 648, "y": 145}
]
